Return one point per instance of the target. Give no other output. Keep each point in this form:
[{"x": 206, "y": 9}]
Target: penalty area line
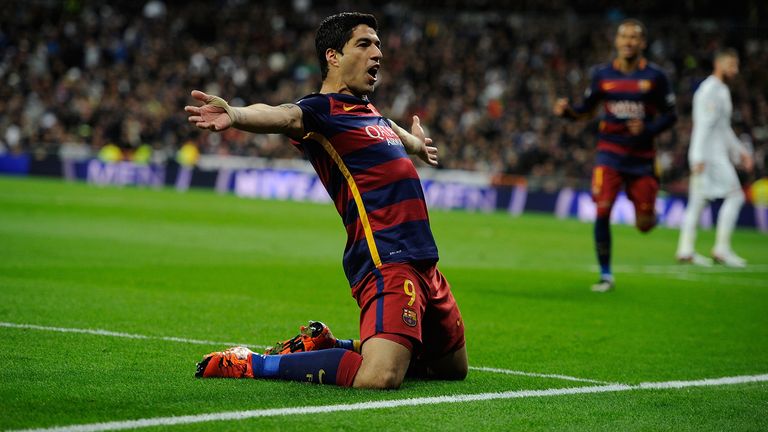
[{"x": 395, "y": 403}]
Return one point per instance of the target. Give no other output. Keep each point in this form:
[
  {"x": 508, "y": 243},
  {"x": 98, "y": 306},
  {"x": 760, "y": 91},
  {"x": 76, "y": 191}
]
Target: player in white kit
[{"x": 713, "y": 152}]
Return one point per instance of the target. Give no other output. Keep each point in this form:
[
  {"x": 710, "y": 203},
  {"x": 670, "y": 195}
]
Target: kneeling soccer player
[{"x": 409, "y": 319}]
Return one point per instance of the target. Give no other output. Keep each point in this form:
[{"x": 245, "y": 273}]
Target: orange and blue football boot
[
  {"x": 312, "y": 337},
  {"x": 235, "y": 362}
]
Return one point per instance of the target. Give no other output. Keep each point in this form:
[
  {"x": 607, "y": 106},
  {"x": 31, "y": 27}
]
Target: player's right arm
[
  {"x": 587, "y": 108},
  {"x": 217, "y": 115}
]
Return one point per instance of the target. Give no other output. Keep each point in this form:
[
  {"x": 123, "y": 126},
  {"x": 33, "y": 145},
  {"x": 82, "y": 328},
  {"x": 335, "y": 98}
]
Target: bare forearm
[
  {"x": 262, "y": 118},
  {"x": 412, "y": 144}
]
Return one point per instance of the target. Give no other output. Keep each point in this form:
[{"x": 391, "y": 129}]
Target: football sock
[
  {"x": 696, "y": 203},
  {"x": 349, "y": 344},
  {"x": 603, "y": 246},
  {"x": 726, "y": 221},
  {"x": 329, "y": 366}
]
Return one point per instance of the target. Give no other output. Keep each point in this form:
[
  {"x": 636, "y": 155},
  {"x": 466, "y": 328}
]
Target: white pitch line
[
  {"x": 100, "y": 332},
  {"x": 710, "y": 277},
  {"x": 537, "y": 375},
  {"x": 677, "y": 268},
  {"x": 394, "y": 403}
]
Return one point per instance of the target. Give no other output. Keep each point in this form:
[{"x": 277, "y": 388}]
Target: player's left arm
[
  {"x": 738, "y": 151},
  {"x": 664, "y": 99},
  {"x": 416, "y": 142}
]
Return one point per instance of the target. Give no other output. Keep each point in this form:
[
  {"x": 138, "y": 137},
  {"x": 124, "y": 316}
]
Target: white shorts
[{"x": 716, "y": 181}]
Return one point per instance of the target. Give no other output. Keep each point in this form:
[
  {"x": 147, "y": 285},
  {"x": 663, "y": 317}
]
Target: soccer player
[
  {"x": 638, "y": 104},
  {"x": 714, "y": 150},
  {"x": 407, "y": 309}
]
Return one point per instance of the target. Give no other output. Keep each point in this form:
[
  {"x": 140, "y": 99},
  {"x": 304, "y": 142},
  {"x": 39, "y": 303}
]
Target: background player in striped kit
[
  {"x": 408, "y": 313},
  {"x": 638, "y": 104},
  {"x": 713, "y": 152}
]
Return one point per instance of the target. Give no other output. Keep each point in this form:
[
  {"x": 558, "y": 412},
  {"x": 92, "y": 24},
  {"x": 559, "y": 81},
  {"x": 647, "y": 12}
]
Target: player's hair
[
  {"x": 634, "y": 22},
  {"x": 335, "y": 31},
  {"x": 726, "y": 52}
]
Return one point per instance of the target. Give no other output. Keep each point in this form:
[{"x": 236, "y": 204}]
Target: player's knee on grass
[
  {"x": 645, "y": 222},
  {"x": 385, "y": 379},
  {"x": 384, "y": 365},
  {"x": 453, "y": 366}
]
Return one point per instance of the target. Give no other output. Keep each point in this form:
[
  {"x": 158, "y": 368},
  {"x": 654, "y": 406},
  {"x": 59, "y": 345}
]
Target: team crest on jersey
[
  {"x": 409, "y": 317},
  {"x": 644, "y": 85}
]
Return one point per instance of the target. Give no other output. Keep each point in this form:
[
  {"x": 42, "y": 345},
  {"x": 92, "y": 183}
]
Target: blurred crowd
[{"x": 114, "y": 78}]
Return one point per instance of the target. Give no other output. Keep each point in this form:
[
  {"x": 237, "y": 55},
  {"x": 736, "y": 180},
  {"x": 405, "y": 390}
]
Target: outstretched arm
[
  {"x": 217, "y": 115},
  {"x": 416, "y": 142}
]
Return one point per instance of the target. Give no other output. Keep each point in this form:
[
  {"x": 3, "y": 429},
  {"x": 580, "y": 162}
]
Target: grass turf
[{"x": 205, "y": 266}]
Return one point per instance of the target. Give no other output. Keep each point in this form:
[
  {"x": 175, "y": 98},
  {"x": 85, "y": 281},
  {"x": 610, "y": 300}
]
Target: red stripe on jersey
[
  {"x": 389, "y": 216},
  {"x": 625, "y": 150},
  {"x": 342, "y": 108},
  {"x": 384, "y": 174},
  {"x": 356, "y": 139},
  {"x": 395, "y": 214},
  {"x": 613, "y": 128},
  {"x": 626, "y": 85}
]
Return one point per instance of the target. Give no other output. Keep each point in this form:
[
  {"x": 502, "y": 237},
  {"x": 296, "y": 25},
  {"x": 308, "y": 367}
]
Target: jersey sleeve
[
  {"x": 592, "y": 96},
  {"x": 664, "y": 99},
  {"x": 315, "y": 110}
]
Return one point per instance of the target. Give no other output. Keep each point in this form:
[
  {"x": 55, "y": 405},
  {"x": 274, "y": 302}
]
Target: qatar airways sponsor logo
[
  {"x": 626, "y": 109},
  {"x": 383, "y": 133}
]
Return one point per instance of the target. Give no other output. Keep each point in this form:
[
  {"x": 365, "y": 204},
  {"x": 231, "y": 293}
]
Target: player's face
[
  {"x": 730, "y": 67},
  {"x": 359, "y": 65},
  {"x": 630, "y": 41}
]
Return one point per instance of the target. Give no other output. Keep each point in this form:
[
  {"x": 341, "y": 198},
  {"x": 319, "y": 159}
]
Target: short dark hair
[
  {"x": 335, "y": 31},
  {"x": 726, "y": 52},
  {"x": 634, "y": 22}
]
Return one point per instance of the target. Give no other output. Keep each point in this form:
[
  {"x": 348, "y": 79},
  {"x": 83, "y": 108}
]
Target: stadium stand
[{"x": 89, "y": 74}]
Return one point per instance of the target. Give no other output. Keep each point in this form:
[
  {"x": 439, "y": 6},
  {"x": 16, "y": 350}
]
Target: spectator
[{"x": 482, "y": 82}]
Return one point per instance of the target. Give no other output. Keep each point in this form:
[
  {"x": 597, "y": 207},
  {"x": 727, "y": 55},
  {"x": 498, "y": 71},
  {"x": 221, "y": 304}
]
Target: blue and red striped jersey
[
  {"x": 371, "y": 180},
  {"x": 643, "y": 94}
]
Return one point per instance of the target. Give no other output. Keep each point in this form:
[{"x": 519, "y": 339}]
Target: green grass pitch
[{"x": 209, "y": 267}]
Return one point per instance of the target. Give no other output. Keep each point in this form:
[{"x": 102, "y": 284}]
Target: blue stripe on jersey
[
  {"x": 393, "y": 193},
  {"x": 408, "y": 241},
  {"x": 629, "y": 141},
  {"x": 626, "y": 164},
  {"x": 354, "y": 267},
  {"x": 371, "y": 156},
  {"x": 390, "y": 194},
  {"x": 317, "y": 155}
]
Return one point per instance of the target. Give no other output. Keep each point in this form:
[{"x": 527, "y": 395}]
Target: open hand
[
  {"x": 748, "y": 162},
  {"x": 427, "y": 153},
  {"x": 215, "y": 114}
]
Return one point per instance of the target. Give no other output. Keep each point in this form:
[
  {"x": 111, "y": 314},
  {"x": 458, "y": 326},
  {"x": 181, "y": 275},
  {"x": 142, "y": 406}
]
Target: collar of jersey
[
  {"x": 348, "y": 98},
  {"x": 641, "y": 65}
]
